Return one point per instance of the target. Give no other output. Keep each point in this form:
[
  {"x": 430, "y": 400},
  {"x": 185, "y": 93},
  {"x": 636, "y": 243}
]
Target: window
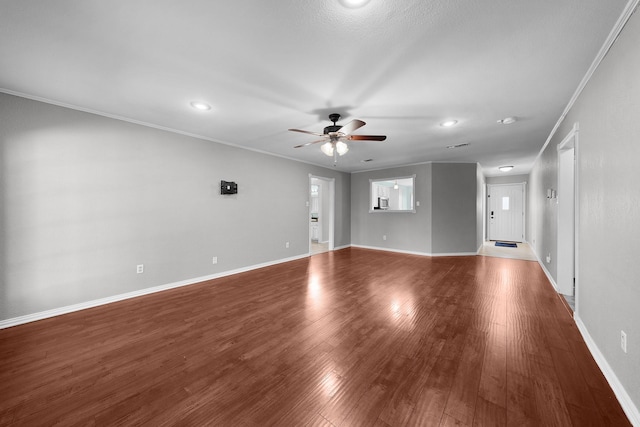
[
  {"x": 392, "y": 194},
  {"x": 505, "y": 203}
]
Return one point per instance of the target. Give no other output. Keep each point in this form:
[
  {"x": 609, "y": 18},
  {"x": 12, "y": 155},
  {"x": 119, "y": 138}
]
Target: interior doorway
[
  {"x": 321, "y": 214},
  {"x": 505, "y": 212},
  {"x": 566, "y": 199}
]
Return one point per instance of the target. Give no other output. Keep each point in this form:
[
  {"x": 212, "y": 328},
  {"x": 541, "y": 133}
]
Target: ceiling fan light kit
[
  {"x": 334, "y": 136},
  {"x": 329, "y": 148}
]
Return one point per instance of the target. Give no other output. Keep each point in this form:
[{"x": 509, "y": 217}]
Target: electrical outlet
[
  {"x": 417, "y": 203},
  {"x": 384, "y": 237},
  {"x": 140, "y": 268},
  {"x": 549, "y": 258},
  {"x": 214, "y": 260},
  {"x": 623, "y": 341},
  {"x": 286, "y": 245}
]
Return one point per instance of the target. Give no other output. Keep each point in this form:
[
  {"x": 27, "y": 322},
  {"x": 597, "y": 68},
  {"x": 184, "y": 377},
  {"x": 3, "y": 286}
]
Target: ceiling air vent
[{"x": 464, "y": 144}]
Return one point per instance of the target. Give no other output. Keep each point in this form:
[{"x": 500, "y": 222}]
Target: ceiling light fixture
[
  {"x": 505, "y": 168},
  {"x": 353, "y": 4},
  {"x": 396, "y": 186},
  {"x": 448, "y": 123},
  {"x": 330, "y": 147},
  {"x": 202, "y": 106},
  {"x": 507, "y": 120}
]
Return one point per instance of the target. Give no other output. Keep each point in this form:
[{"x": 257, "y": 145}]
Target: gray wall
[
  {"x": 324, "y": 213},
  {"x": 609, "y": 205},
  {"x": 445, "y": 222},
  {"x": 480, "y": 207},
  {"x": 405, "y": 231},
  {"x": 542, "y": 224},
  {"x": 454, "y": 206},
  {"x": 86, "y": 198}
]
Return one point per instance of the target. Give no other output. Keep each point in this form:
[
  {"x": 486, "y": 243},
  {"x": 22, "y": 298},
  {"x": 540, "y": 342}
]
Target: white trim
[
  {"x": 402, "y": 251},
  {"x": 544, "y": 268},
  {"x": 404, "y": 165},
  {"x": 571, "y": 142},
  {"x": 576, "y": 213},
  {"x": 332, "y": 210},
  {"x": 154, "y": 126},
  {"x": 382, "y": 168},
  {"x": 613, "y": 35},
  {"x": 396, "y": 178},
  {"x": 623, "y": 397},
  {"x": 574, "y": 130},
  {"x": 107, "y": 300}
]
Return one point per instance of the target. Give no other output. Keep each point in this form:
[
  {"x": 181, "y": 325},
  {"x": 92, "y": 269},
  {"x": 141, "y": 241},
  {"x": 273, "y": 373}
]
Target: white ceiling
[{"x": 265, "y": 66}]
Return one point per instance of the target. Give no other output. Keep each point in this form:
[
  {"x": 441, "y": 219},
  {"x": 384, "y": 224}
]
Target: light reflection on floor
[{"x": 523, "y": 251}]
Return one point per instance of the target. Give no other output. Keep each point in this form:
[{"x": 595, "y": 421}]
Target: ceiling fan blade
[
  {"x": 310, "y": 143},
  {"x": 366, "y": 137},
  {"x": 351, "y": 126},
  {"x": 306, "y": 131}
]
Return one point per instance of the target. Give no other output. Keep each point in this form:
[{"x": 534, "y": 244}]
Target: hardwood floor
[{"x": 345, "y": 338}]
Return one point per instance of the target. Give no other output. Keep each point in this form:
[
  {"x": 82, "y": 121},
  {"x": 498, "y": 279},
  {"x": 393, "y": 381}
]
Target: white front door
[{"x": 505, "y": 210}]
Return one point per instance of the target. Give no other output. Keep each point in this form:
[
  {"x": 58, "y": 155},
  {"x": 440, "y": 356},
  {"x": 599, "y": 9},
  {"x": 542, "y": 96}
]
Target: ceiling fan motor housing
[{"x": 333, "y": 128}]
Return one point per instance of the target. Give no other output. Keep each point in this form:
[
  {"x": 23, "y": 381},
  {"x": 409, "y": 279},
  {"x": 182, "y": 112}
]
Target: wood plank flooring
[{"x": 348, "y": 338}]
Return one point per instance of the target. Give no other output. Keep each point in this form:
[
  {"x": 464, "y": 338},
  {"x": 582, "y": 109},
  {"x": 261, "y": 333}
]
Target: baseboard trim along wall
[
  {"x": 402, "y": 251},
  {"x": 625, "y": 401},
  {"x": 115, "y": 298},
  {"x": 621, "y": 394},
  {"x": 337, "y": 248},
  {"x": 546, "y": 272}
]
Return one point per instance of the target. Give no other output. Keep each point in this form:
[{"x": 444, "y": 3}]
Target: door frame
[
  {"x": 524, "y": 207},
  {"x": 568, "y": 143},
  {"x": 332, "y": 209}
]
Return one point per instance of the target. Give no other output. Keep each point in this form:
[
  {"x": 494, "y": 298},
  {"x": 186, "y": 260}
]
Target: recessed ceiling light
[
  {"x": 202, "y": 106},
  {"x": 505, "y": 168},
  {"x": 507, "y": 120},
  {"x": 354, "y": 3},
  {"x": 448, "y": 123}
]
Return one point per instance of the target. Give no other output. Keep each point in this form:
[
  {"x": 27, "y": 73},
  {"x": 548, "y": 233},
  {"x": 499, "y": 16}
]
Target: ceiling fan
[{"x": 334, "y": 136}]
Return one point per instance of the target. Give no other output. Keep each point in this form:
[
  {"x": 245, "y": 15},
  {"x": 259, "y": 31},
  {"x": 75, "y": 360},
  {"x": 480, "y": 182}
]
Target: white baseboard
[
  {"x": 402, "y": 251},
  {"x": 625, "y": 400},
  {"x": 544, "y": 268},
  {"x": 337, "y": 248},
  {"x": 107, "y": 300},
  {"x": 621, "y": 394}
]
